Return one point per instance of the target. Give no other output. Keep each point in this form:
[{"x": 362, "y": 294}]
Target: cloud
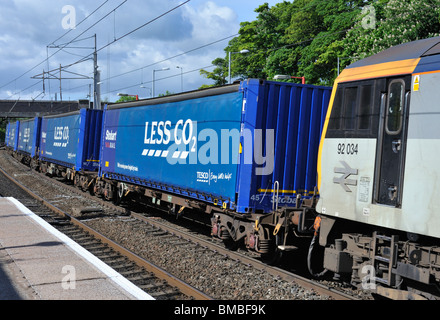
[
  {"x": 209, "y": 19},
  {"x": 28, "y": 26}
]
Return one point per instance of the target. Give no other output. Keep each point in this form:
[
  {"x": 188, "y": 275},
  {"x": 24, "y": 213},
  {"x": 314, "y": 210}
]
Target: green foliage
[
  {"x": 396, "y": 22},
  {"x": 167, "y": 93},
  {"x": 306, "y": 37},
  {"x": 218, "y": 75},
  {"x": 126, "y": 99}
]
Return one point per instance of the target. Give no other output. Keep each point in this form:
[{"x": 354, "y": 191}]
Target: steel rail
[
  {"x": 274, "y": 271},
  {"x": 157, "y": 271}
]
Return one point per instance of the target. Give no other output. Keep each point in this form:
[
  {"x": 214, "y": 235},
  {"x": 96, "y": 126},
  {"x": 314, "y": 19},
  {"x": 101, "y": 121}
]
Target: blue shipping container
[
  {"x": 12, "y": 135},
  {"x": 29, "y": 136},
  {"x": 281, "y": 130},
  {"x": 7, "y": 133},
  {"x": 173, "y": 146},
  {"x": 72, "y": 140},
  {"x": 226, "y": 146}
]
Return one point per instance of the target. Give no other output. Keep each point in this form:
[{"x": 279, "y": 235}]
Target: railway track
[
  {"x": 148, "y": 235},
  {"x": 150, "y": 278}
]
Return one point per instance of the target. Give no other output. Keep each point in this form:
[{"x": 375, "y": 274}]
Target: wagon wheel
[{"x": 119, "y": 194}]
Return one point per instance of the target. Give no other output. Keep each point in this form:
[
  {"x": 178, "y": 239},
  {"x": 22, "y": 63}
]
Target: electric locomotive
[{"x": 378, "y": 174}]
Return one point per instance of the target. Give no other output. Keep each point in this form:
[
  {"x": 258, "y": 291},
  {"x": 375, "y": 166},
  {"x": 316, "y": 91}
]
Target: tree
[
  {"x": 167, "y": 93},
  {"x": 299, "y": 38},
  {"x": 126, "y": 99},
  {"x": 396, "y": 22},
  {"x": 262, "y": 37},
  {"x": 307, "y": 38},
  {"x": 317, "y": 30},
  {"x": 218, "y": 74}
]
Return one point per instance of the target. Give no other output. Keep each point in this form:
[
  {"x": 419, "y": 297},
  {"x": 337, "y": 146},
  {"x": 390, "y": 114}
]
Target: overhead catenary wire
[
  {"x": 160, "y": 79},
  {"x": 172, "y": 57},
  {"x": 87, "y": 57},
  {"x": 47, "y": 59},
  {"x": 131, "y": 32},
  {"x": 189, "y": 51},
  {"x": 158, "y": 62},
  {"x": 144, "y": 25},
  {"x": 65, "y": 34},
  {"x": 27, "y": 88}
]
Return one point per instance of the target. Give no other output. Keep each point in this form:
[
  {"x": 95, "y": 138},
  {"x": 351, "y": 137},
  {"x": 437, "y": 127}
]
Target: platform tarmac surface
[{"x": 37, "y": 262}]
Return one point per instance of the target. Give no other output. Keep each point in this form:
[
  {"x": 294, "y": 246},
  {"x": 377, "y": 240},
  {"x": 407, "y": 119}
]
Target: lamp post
[
  {"x": 181, "y": 78},
  {"x": 154, "y": 72},
  {"x": 229, "y": 68},
  {"x": 339, "y": 62},
  {"x": 286, "y": 77},
  {"x": 147, "y": 88}
]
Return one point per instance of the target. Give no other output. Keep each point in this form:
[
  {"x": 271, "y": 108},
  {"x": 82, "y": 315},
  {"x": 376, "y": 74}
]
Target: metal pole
[
  {"x": 229, "y": 69},
  {"x": 181, "y": 79},
  {"x": 338, "y": 66},
  {"x": 61, "y": 94},
  {"x": 96, "y": 80},
  {"x": 153, "y": 84}
]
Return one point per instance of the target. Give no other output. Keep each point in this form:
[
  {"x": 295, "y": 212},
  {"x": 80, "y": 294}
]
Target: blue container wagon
[
  {"x": 29, "y": 140},
  {"x": 70, "y": 144},
  {"x": 248, "y": 149}
]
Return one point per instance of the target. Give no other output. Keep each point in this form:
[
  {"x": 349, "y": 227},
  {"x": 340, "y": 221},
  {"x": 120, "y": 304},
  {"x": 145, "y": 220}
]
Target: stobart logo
[
  {"x": 110, "y": 139},
  {"x": 110, "y": 135}
]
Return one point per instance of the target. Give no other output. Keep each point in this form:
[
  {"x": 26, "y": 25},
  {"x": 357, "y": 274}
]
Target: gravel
[
  {"x": 218, "y": 276},
  {"x": 210, "y": 272}
]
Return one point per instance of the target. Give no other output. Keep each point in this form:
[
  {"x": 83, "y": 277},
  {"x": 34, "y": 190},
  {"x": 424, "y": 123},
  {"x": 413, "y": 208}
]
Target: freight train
[{"x": 347, "y": 174}]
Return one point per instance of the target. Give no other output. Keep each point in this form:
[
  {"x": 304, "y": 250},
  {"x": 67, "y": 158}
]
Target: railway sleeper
[
  {"x": 160, "y": 293},
  {"x": 136, "y": 273},
  {"x": 139, "y": 278}
]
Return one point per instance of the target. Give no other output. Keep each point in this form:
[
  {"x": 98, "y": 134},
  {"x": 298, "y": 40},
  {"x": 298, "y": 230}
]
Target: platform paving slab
[{"x": 38, "y": 262}]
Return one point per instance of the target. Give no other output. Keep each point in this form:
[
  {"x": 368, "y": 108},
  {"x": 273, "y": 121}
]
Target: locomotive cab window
[
  {"x": 365, "y": 108},
  {"x": 396, "y": 92},
  {"x": 350, "y": 101},
  {"x": 353, "y": 111}
]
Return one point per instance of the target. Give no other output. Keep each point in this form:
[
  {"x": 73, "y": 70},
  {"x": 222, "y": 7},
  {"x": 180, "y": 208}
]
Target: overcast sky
[{"x": 29, "y": 30}]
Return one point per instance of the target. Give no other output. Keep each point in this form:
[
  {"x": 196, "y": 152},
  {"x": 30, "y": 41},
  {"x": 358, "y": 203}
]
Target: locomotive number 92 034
[{"x": 348, "y": 148}]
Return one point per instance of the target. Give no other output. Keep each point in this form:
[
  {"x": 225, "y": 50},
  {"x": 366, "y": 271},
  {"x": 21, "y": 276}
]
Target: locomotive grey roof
[{"x": 405, "y": 51}]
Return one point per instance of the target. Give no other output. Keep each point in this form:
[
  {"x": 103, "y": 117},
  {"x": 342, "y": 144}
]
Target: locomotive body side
[
  {"x": 380, "y": 145},
  {"x": 378, "y": 173}
]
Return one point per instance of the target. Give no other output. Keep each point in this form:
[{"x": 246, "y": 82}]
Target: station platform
[{"x": 37, "y": 262}]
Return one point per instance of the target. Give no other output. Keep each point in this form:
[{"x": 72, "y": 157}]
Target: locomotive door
[{"x": 392, "y": 143}]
